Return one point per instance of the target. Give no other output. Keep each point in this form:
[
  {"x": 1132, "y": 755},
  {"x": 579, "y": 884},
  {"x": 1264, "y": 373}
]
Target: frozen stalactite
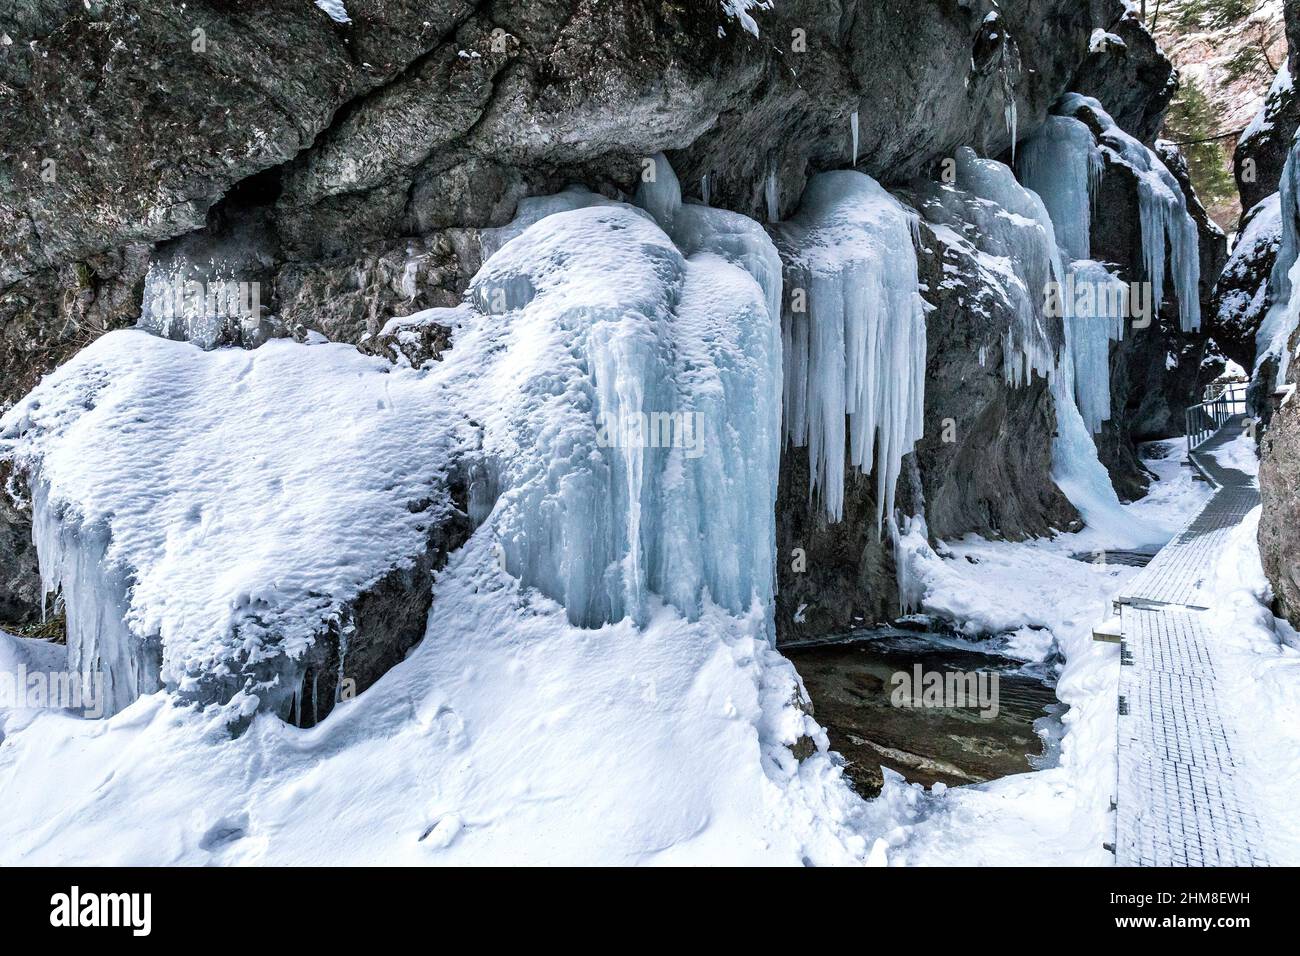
[
  {"x": 1014, "y": 224},
  {"x": 704, "y": 189},
  {"x": 854, "y": 334},
  {"x": 1060, "y": 163},
  {"x": 1063, "y": 166},
  {"x": 75, "y": 565},
  {"x": 853, "y": 135},
  {"x": 911, "y": 545},
  {"x": 1009, "y": 107},
  {"x": 772, "y": 191},
  {"x": 1099, "y": 306}
]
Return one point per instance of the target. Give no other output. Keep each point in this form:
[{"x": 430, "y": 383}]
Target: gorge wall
[{"x": 353, "y": 169}]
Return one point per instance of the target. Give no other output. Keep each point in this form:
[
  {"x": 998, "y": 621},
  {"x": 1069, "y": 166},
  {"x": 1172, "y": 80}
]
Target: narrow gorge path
[{"x": 1182, "y": 796}]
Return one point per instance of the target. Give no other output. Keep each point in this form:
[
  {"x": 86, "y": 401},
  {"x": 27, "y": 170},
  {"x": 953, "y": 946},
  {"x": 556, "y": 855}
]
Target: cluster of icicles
[{"x": 809, "y": 333}]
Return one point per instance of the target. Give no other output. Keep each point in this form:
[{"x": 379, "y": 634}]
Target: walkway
[{"x": 1180, "y": 799}]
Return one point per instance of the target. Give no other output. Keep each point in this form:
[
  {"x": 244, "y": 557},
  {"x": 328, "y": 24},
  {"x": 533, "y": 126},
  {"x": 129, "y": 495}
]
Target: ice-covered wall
[
  {"x": 853, "y": 330},
  {"x": 628, "y": 367},
  {"x": 988, "y": 213},
  {"x": 1061, "y": 164},
  {"x": 1098, "y": 314},
  {"x": 1283, "y": 316},
  {"x": 1170, "y": 243}
]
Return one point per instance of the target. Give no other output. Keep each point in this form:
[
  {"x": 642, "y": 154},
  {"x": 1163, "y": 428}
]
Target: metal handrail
[{"x": 1203, "y": 420}]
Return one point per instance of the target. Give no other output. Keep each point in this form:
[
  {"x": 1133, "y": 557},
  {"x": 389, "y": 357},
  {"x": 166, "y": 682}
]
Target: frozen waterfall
[
  {"x": 1097, "y": 316},
  {"x": 1061, "y": 164},
  {"x": 631, "y": 402}
]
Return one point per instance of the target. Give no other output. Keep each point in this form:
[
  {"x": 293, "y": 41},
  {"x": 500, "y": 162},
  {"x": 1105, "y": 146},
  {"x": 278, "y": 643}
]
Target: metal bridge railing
[{"x": 1205, "y": 419}]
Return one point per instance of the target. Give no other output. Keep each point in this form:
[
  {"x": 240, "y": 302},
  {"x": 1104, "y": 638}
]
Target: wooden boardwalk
[{"x": 1180, "y": 799}]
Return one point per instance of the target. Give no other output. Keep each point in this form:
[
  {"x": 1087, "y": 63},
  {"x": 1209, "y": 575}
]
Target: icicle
[
  {"x": 1065, "y": 168},
  {"x": 853, "y": 132},
  {"x": 704, "y": 188},
  {"x": 772, "y": 190},
  {"x": 1062, "y": 165},
  {"x": 854, "y": 334},
  {"x": 1009, "y": 109},
  {"x": 1099, "y": 305},
  {"x": 73, "y": 564}
]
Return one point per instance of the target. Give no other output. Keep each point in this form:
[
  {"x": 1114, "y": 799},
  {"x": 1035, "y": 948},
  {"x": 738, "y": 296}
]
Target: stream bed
[{"x": 854, "y": 684}]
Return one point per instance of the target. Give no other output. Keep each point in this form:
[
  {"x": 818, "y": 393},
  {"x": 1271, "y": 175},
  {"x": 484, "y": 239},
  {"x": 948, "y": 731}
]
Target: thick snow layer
[
  {"x": 1258, "y": 670},
  {"x": 224, "y": 505},
  {"x": 507, "y": 736},
  {"x": 853, "y": 332},
  {"x": 511, "y": 736}
]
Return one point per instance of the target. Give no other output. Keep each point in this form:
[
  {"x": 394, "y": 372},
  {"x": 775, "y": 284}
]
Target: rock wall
[{"x": 359, "y": 162}]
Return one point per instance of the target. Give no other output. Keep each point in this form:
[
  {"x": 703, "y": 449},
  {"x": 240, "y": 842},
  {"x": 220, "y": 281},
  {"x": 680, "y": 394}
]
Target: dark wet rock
[
  {"x": 413, "y": 340},
  {"x": 230, "y": 89},
  {"x": 1241, "y": 296},
  {"x": 348, "y": 300},
  {"x": 1133, "y": 80},
  {"x": 1279, "y": 470},
  {"x": 985, "y": 459},
  {"x": 20, "y": 580}
]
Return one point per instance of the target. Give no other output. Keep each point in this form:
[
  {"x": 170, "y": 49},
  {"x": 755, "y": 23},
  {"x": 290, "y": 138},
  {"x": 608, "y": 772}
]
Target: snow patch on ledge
[
  {"x": 211, "y": 512},
  {"x": 740, "y": 10},
  {"x": 336, "y": 10}
]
